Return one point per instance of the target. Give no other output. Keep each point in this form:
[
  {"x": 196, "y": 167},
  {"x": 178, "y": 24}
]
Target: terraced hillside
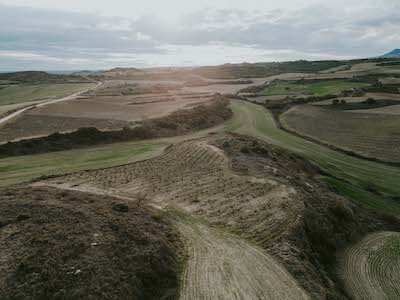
[
  {"x": 196, "y": 177},
  {"x": 372, "y": 267}
]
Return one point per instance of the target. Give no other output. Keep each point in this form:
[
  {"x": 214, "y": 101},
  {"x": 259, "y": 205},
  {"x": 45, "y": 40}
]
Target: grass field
[
  {"x": 24, "y": 92},
  {"x": 314, "y": 88},
  {"x": 371, "y": 135},
  {"x": 23, "y": 168},
  {"x": 255, "y": 120}
]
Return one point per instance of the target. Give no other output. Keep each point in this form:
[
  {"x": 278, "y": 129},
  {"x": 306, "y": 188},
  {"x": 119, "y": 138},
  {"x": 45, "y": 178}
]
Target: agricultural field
[
  {"x": 20, "y": 93},
  {"x": 250, "y": 210},
  {"x": 254, "y": 120},
  {"x": 371, "y": 135},
  {"x": 113, "y": 105},
  {"x": 372, "y": 267},
  {"x": 320, "y": 88}
]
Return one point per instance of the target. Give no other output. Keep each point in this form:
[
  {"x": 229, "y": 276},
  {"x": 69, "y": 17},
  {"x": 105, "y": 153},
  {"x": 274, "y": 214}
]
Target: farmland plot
[
  {"x": 311, "y": 88},
  {"x": 20, "y": 93},
  {"x": 371, "y": 135},
  {"x": 372, "y": 267}
]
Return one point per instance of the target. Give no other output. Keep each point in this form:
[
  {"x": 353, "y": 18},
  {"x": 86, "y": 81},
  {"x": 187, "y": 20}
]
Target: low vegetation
[
  {"x": 39, "y": 77},
  {"x": 315, "y": 88},
  {"x": 369, "y": 103},
  {"x": 230, "y": 71},
  {"x": 71, "y": 245}
]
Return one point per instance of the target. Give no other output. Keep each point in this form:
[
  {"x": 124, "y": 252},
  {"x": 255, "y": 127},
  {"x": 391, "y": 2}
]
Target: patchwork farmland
[{"x": 208, "y": 195}]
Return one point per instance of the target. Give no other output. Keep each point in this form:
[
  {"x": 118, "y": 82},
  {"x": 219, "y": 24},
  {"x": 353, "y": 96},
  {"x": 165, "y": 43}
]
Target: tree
[
  {"x": 343, "y": 102},
  {"x": 335, "y": 101}
]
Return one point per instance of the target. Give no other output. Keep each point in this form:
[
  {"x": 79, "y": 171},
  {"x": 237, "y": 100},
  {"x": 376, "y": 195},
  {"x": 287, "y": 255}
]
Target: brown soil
[{"x": 71, "y": 245}]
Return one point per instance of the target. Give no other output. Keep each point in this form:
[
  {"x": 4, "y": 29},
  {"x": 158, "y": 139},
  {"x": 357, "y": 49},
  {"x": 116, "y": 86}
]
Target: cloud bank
[{"x": 37, "y": 38}]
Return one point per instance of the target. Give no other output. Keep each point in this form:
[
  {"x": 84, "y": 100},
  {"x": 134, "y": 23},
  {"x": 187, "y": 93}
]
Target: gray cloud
[{"x": 45, "y": 39}]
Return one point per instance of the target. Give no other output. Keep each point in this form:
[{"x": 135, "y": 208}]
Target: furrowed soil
[
  {"x": 372, "y": 267},
  {"x": 371, "y": 135},
  {"x": 71, "y": 245},
  {"x": 250, "y": 198}
]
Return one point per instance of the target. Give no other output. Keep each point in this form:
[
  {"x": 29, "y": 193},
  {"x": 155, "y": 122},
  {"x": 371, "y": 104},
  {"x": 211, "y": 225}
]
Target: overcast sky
[{"x": 97, "y": 34}]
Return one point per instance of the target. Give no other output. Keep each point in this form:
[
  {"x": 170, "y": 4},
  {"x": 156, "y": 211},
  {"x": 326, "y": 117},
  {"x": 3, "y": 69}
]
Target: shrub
[{"x": 370, "y": 101}]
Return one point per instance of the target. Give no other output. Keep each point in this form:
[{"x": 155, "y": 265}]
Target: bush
[
  {"x": 335, "y": 101},
  {"x": 370, "y": 101}
]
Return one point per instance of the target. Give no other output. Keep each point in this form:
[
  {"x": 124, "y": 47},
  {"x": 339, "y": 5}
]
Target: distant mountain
[{"x": 394, "y": 54}]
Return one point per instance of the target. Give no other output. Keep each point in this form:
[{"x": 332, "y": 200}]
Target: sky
[{"x": 97, "y": 34}]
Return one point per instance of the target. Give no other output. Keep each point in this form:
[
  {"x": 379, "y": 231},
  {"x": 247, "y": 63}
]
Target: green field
[
  {"x": 24, "y": 168},
  {"x": 19, "y": 93},
  {"x": 315, "y": 88},
  {"x": 255, "y": 120}
]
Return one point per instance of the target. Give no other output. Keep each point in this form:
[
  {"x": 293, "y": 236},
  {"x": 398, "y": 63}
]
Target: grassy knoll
[
  {"x": 29, "y": 92},
  {"x": 314, "y": 88},
  {"x": 23, "y": 168},
  {"x": 255, "y": 120}
]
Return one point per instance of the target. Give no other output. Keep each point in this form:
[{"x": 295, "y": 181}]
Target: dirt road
[{"x": 20, "y": 111}]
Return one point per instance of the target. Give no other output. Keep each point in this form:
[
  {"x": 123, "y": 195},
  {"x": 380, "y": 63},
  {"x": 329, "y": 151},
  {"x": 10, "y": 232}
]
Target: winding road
[{"x": 20, "y": 111}]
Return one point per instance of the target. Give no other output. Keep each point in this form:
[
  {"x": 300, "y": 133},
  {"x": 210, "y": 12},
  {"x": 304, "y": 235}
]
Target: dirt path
[
  {"x": 20, "y": 111},
  {"x": 372, "y": 267},
  {"x": 223, "y": 266}
]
